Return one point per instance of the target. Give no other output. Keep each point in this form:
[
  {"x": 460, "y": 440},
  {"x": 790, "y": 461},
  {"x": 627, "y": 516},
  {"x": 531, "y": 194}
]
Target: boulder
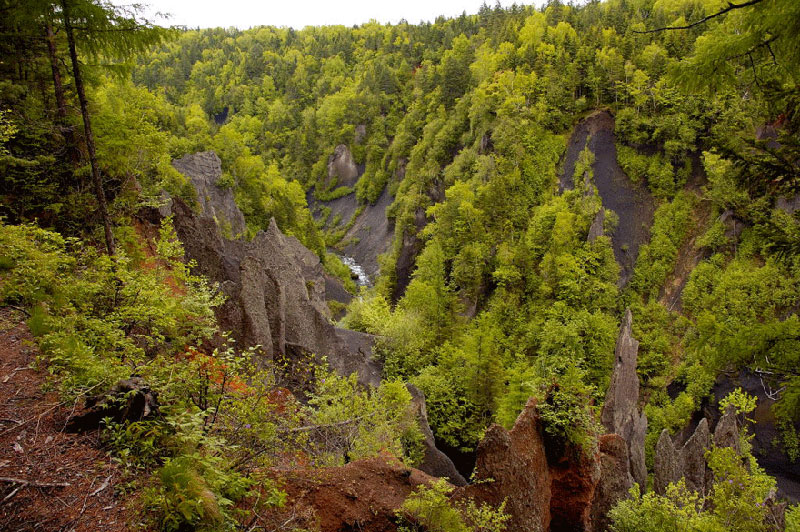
[
  {"x": 435, "y": 463},
  {"x": 615, "y": 479},
  {"x": 128, "y": 400},
  {"x": 204, "y": 170},
  {"x": 620, "y": 414},
  {"x": 512, "y": 467}
]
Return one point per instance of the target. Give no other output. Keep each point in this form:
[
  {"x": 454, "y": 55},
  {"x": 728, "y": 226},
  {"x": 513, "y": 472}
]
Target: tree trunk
[
  {"x": 61, "y": 100},
  {"x": 87, "y": 126}
]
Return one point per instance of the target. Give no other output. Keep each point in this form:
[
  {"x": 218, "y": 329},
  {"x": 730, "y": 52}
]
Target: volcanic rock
[
  {"x": 615, "y": 479},
  {"x": 342, "y": 167},
  {"x": 275, "y": 294},
  {"x": 204, "y": 169},
  {"x": 666, "y": 467},
  {"x": 435, "y": 462},
  {"x": 512, "y": 467},
  {"x": 620, "y": 414}
]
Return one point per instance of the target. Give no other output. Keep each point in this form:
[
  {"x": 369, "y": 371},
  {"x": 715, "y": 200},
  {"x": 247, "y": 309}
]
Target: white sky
[{"x": 244, "y": 14}]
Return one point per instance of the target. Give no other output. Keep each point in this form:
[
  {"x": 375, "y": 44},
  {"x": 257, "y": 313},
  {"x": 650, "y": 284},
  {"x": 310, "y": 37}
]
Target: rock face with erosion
[
  {"x": 547, "y": 489},
  {"x": 615, "y": 479},
  {"x": 631, "y": 201},
  {"x": 204, "y": 170},
  {"x": 342, "y": 167},
  {"x": 434, "y": 462},
  {"x": 275, "y": 294},
  {"x": 620, "y": 414},
  {"x": 512, "y": 466}
]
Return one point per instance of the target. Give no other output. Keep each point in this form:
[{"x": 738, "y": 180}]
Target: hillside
[{"x": 525, "y": 269}]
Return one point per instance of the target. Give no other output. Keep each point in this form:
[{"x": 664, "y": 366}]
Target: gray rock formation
[
  {"x": 726, "y": 433},
  {"x": 596, "y": 230},
  {"x": 688, "y": 462},
  {"x": 788, "y": 205},
  {"x": 275, "y": 295},
  {"x": 204, "y": 170},
  {"x": 620, "y": 414},
  {"x": 342, "y": 167},
  {"x": 693, "y": 458},
  {"x": 666, "y": 467},
  {"x": 360, "y": 133},
  {"x": 435, "y": 462},
  {"x": 615, "y": 479}
]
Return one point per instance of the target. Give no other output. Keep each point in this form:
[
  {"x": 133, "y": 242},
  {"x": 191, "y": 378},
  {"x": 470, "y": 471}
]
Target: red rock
[{"x": 515, "y": 462}]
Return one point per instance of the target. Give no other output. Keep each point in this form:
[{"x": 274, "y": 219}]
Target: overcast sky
[{"x": 244, "y": 14}]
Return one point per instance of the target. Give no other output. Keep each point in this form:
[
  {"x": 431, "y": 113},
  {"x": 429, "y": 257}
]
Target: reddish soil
[
  {"x": 362, "y": 495},
  {"x": 35, "y": 451}
]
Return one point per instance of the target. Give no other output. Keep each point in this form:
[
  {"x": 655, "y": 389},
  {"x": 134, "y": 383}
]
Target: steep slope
[
  {"x": 631, "y": 202},
  {"x": 49, "y": 479},
  {"x": 368, "y": 230}
]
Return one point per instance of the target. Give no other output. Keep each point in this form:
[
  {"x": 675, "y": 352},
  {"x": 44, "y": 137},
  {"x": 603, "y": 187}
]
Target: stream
[{"x": 359, "y": 275}]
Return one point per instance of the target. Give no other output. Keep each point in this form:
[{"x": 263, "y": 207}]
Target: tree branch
[
  {"x": 731, "y": 7},
  {"x": 23, "y": 482}
]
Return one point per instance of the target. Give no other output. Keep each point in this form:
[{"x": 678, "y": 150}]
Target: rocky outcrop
[
  {"x": 512, "y": 467},
  {"x": 342, "y": 168},
  {"x": 620, "y": 414},
  {"x": 632, "y": 202},
  {"x": 574, "y": 482},
  {"x": 693, "y": 458},
  {"x": 545, "y": 488},
  {"x": 204, "y": 170},
  {"x": 275, "y": 294},
  {"x": 666, "y": 468},
  {"x": 615, "y": 479},
  {"x": 410, "y": 247},
  {"x": 596, "y": 230},
  {"x": 434, "y": 462},
  {"x": 726, "y": 433}
]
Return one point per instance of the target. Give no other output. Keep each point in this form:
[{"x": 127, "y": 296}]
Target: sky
[{"x": 244, "y": 14}]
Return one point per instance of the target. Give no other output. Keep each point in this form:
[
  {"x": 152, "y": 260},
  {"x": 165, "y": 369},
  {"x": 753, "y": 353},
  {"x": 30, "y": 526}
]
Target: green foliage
[
  {"x": 349, "y": 422},
  {"x": 736, "y": 501},
  {"x": 430, "y": 508},
  {"x": 657, "y": 258}
]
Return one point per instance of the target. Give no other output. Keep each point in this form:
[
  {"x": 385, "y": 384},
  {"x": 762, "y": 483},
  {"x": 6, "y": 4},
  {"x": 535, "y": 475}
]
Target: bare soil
[{"x": 50, "y": 480}]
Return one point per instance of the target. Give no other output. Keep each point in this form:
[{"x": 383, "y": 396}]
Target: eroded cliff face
[
  {"x": 275, "y": 295},
  {"x": 621, "y": 414},
  {"x": 204, "y": 170},
  {"x": 631, "y": 202}
]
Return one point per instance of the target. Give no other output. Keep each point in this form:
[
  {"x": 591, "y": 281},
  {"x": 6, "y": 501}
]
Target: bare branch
[{"x": 731, "y": 7}]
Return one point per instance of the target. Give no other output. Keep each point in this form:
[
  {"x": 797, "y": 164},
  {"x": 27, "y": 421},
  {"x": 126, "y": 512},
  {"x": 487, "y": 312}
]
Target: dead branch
[
  {"x": 34, "y": 483},
  {"x": 731, "y": 6}
]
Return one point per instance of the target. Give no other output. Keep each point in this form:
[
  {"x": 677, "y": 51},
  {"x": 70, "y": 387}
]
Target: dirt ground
[{"x": 50, "y": 480}]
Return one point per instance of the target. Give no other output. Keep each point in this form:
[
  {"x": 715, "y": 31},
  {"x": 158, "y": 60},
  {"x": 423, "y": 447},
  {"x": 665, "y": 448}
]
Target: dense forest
[{"x": 540, "y": 171}]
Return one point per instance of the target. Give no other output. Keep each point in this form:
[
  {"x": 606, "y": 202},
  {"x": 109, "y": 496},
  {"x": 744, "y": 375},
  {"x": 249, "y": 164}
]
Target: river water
[{"x": 362, "y": 279}]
